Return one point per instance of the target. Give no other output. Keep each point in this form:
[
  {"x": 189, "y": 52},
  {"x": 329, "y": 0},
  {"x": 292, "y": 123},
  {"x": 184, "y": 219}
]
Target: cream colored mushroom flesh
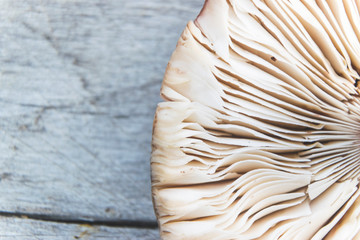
[{"x": 258, "y": 136}]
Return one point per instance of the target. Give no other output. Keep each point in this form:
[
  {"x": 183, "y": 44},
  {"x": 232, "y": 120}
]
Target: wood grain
[
  {"x": 20, "y": 229},
  {"x": 79, "y": 83}
]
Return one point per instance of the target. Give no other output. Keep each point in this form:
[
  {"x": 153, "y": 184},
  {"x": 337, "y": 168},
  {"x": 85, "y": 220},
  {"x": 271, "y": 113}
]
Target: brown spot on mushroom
[{"x": 356, "y": 82}]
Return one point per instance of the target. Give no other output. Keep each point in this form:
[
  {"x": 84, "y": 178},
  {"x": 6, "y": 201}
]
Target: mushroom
[{"x": 259, "y": 133}]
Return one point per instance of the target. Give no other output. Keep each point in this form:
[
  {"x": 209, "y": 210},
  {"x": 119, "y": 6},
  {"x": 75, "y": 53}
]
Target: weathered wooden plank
[
  {"x": 20, "y": 229},
  {"x": 79, "y": 83}
]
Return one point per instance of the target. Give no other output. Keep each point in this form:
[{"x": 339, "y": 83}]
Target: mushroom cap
[{"x": 259, "y": 133}]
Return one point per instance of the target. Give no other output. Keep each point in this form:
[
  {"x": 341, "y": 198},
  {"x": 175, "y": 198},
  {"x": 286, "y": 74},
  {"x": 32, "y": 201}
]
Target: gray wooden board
[
  {"x": 79, "y": 83},
  {"x": 20, "y": 229}
]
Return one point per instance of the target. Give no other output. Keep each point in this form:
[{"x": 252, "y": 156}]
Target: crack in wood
[{"x": 123, "y": 223}]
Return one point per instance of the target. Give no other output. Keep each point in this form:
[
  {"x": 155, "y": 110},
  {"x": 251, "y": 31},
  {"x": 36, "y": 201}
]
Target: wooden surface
[
  {"x": 79, "y": 83},
  {"x": 20, "y": 229}
]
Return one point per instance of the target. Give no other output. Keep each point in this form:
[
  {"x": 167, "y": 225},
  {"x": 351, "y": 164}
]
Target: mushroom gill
[{"x": 259, "y": 134}]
